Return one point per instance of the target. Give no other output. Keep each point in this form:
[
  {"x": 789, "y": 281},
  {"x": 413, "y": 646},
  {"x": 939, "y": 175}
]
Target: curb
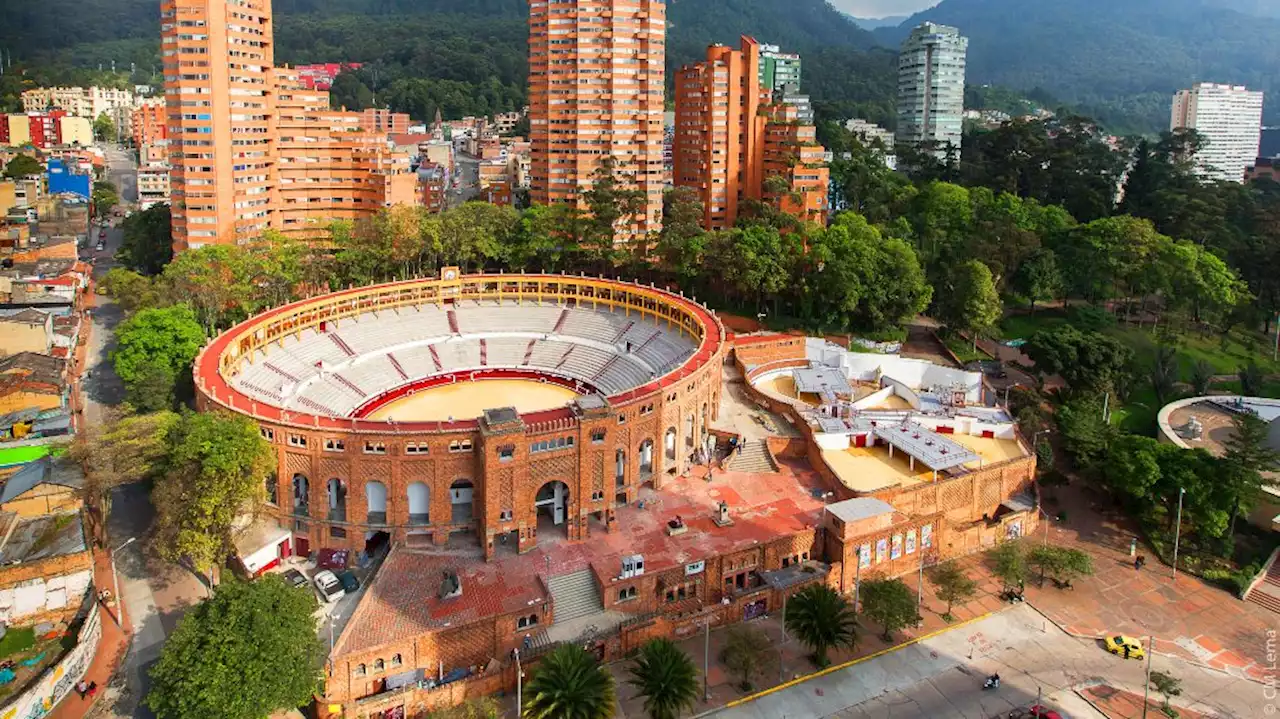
[{"x": 837, "y": 667}]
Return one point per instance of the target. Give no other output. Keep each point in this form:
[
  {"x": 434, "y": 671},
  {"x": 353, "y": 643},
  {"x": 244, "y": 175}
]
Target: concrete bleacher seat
[{"x": 587, "y": 342}]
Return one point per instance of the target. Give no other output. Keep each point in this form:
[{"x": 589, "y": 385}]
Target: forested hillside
[{"x": 1118, "y": 61}]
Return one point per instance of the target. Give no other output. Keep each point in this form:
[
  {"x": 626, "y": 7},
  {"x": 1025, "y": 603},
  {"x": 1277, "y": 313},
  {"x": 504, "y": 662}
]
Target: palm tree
[
  {"x": 821, "y": 619},
  {"x": 569, "y": 684},
  {"x": 666, "y": 678}
]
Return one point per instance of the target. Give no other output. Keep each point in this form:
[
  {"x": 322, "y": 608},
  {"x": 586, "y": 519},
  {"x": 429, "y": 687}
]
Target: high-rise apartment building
[
  {"x": 251, "y": 148},
  {"x": 778, "y": 69},
  {"x": 595, "y": 90},
  {"x": 718, "y": 147},
  {"x": 1230, "y": 119},
  {"x": 730, "y": 136},
  {"x": 931, "y": 87},
  {"x": 218, "y": 57}
]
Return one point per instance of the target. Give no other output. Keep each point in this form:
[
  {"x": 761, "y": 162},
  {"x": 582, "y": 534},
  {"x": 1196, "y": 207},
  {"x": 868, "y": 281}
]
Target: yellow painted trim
[{"x": 851, "y": 662}]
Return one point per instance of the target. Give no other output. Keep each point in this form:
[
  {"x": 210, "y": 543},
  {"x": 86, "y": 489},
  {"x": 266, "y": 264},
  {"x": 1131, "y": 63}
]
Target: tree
[
  {"x": 1251, "y": 377},
  {"x": 614, "y": 203},
  {"x": 1164, "y": 373},
  {"x": 130, "y": 290},
  {"x": 148, "y": 240},
  {"x": 666, "y": 678},
  {"x": 104, "y": 198},
  {"x": 23, "y": 166},
  {"x": 104, "y": 129},
  {"x": 969, "y": 301},
  {"x": 217, "y": 281},
  {"x": 122, "y": 448},
  {"x": 1085, "y": 431},
  {"x": 821, "y": 619},
  {"x": 1168, "y": 685},
  {"x": 1248, "y": 456},
  {"x": 889, "y": 603},
  {"x": 1009, "y": 563},
  {"x": 1039, "y": 278},
  {"x": 1088, "y": 361},
  {"x": 1060, "y": 563},
  {"x": 1201, "y": 377},
  {"x": 569, "y": 682},
  {"x": 745, "y": 653},
  {"x": 154, "y": 345},
  {"x": 953, "y": 585},
  {"x": 245, "y": 652},
  {"x": 217, "y": 470}
]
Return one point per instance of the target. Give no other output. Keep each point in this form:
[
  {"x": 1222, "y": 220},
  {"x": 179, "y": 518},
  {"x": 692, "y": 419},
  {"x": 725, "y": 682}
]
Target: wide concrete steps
[
  {"x": 574, "y": 595},
  {"x": 754, "y": 457},
  {"x": 1265, "y": 600}
]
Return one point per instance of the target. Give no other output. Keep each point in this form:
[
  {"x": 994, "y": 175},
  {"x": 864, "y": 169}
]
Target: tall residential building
[
  {"x": 778, "y": 69},
  {"x": 717, "y": 147},
  {"x": 251, "y": 147},
  {"x": 730, "y": 137},
  {"x": 931, "y": 87},
  {"x": 217, "y": 85},
  {"x": 1230, "y": 119},
  {"x": 595, "y": 90}
]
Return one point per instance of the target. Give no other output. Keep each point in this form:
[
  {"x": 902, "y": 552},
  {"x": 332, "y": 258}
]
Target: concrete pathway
[{"x": 942, "y": 675}]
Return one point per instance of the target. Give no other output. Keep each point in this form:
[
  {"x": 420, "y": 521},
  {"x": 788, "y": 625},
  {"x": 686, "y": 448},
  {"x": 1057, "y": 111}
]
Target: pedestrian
[
  {"x": 93, "y": 688},
  {"x": 1138, "y": 561},
  {"x": 1126, "y": 651},
  {"x": 82, "y": 688}
]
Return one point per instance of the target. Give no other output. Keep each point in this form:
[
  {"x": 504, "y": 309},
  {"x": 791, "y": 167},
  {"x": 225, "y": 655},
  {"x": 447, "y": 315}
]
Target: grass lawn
[
  {"x": 963, "y": 349},
  {"x": 17, "y": 640}
]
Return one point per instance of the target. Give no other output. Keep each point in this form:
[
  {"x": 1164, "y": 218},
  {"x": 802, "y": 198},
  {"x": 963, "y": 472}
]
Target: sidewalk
[{"x": 112, "y": 647}]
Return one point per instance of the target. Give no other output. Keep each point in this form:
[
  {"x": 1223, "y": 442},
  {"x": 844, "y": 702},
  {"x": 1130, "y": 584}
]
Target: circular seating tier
[{"x": 336, "y": 371}]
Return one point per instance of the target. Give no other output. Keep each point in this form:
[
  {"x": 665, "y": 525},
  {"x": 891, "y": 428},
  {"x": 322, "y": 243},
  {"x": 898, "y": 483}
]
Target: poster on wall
[
  {"x": 882, "y": 549},
  {"x": 897, "y": 546},
  {"x": 1013, "y": 529},
  {"x": 926, "y": 536},
  {"x": 864, "y": 555},
  {"x": 911, "y": 541}
]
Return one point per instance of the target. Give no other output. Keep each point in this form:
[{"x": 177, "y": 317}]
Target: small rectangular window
[
  {"x": 415, "y": 448},
  {"x": 506, "y": 453},
  {"x": 334, "y": 445},
  {"x": 463, "y": 445},
  {"x": 337, "y": 532},
  {"x": 597, "y": 437},
  {"x": 297, "y": 440},
  {"x": 505, "y": 515},
  {"x": 267, "y": 433},
  {"x": 375, "y": 448}
]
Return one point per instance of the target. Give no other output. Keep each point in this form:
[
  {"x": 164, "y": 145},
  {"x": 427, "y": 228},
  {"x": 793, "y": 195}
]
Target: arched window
[
  {"x": 378, "y": 666},
  {"x": 361, "y": 670},
  {"x": 419, "y": 503},
  {"x": 395, "y": 661},
  {"x": 375, "y": 495}
]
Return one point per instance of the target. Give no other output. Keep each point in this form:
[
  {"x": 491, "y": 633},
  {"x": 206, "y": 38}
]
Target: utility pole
[
  {"x": 706, "y": 658},
  {"x": 519, "y": 679},
  {"x": 857, "y": 579},
  {"x": 1177, "y": 534},
  {"x": 1146, "y": 685},
  {"x": 920, "y": 584}
]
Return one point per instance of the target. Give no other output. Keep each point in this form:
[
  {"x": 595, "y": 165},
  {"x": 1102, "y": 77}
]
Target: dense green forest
[{"x": 1116, "y": 61}]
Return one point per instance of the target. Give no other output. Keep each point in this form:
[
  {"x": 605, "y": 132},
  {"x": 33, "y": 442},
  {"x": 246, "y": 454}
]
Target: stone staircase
[
  {"x": 754, "y": 457},
  {"x": 574, "y": 595},
  {"x": 1266, "y": 593}
]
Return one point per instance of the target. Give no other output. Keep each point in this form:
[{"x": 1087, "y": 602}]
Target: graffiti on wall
[{"x": 58, "y": 680}]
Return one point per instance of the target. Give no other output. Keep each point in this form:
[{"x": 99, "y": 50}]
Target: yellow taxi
[{"x": 1119, "y": 643}]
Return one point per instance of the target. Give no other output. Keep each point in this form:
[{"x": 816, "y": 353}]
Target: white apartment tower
[
  {"x": 931, "y": 86},
  {"x": 1230, "y": 119}
]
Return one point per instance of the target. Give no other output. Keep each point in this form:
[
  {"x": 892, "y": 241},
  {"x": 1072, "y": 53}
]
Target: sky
[{"x": 882, "y": 8}]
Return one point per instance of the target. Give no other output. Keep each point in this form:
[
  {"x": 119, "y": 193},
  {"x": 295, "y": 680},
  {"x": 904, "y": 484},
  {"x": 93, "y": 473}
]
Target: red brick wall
[{"x": 759, "y": 349}]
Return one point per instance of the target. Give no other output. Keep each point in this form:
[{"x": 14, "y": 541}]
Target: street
[
  {"x": 468, "y": 174},
  {"x": 942, "y": 676},
  {"x": 154, "y": 593}
]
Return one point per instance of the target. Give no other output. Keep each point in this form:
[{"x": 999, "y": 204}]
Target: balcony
[
  {"x": 419, "y": 520},
  {"x": 376, "y": 518}
]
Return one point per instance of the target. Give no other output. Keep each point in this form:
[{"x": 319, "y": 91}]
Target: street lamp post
[
  {"x": 519, "y": 679},
  {"x": 706, "y": 658},
  {"x": 1146, "y": 684},
  {"x": 115, "y": 578},
  {"x": 1177, "y": 534}
]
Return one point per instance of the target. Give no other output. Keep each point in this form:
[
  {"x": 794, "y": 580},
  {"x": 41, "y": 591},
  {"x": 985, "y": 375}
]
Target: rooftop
[
  {"x": 403, "y": 599},
  {"x": 851, "y": 510},
  {"x": 44, "y": 537}
]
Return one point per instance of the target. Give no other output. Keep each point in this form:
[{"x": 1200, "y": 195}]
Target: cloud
[{"x": 882, "y": 8}]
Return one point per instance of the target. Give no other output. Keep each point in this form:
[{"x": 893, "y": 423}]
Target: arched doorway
[
  {"x": 688, "y": 431},
  {"x": 301, "y": 494},
  {"x": 646, "y": 459},
  {"x": 460, "y": 500},
  {"x": 272, "y": 489},
  {"x": 337, "y": 500},
  {"x": 669, "y": 443},
  {"x": 552, "y": 502},
  {"x": 375, "y": 495},
  {"x": 419, "y": 503},
  {"x": 620, "y": 467}
]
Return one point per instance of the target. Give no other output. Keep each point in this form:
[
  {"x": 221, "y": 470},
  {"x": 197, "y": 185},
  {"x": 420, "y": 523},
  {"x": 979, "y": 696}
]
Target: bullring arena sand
[{"x": 468, "y": 400}]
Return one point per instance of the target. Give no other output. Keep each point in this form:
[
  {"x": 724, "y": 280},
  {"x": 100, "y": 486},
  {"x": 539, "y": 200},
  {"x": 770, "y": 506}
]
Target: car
[
  {"x": 1118, "y": 643},
  {"x": 330, "y": 588},
  {"x": 349, "y": 581},
  {"x": 294, "y": 578},
  {"x": 990, "y": 368},
  {"x": 100, "y": 246}
]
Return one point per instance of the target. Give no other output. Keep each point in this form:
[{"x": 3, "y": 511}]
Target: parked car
[
  {"x": 330, "y": 588},
  {"x": 102, "y": 234},
  {"x": 1118, "y": 643},
  {"x": 991, "y": 368},
  {"x": 349, "y": 581},
  {"x": 100, "y": 246},
  {"x": 294, "y": 578}
]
